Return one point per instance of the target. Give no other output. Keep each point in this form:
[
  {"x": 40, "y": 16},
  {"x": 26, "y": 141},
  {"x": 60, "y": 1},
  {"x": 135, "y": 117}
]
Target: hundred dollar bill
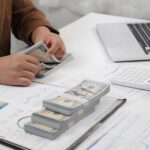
[
  {"x": 41, "y": 127},
  {"x": 42, "y": 130},
  {"x": 58, "y": 120},
  {"x": 51, "y": 114},
  {"x": 87, "y": 89},
  {"x": 86, "y": 93},
  {"x": 39, "y": 50},
  {"x": 65, "y": 104},
  {"x": 66, "y": 101}
]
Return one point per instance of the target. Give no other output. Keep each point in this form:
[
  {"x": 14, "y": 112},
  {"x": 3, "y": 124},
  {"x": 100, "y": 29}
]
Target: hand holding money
[
  {"x": 48, "y": 63},
  {"x": 18, "y": 69},
  {"x": 53, "y": 41},
  {"x": 38, "y": 51}
]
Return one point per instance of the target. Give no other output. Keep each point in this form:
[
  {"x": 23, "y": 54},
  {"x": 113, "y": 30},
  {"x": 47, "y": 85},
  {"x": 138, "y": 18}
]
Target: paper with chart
[
  {"x": 16, "y": 115},
  {"x": 129, "y": 127},
  {"x": 131, "y": 132},
  {"x": 28, "y": 95},
  {"x": 22, "y": 105},
  {"x": 74, "y": 75}
]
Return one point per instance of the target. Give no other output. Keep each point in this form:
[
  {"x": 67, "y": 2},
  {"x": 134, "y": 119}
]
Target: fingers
[
  {"x": 32, "y": 64},
  {"x": 19, "y": 69},
  {"x": 29, "y": 75},
  {"x": 59, "y": 54},
  {"x": 32, "y": 59},
  {"x": 24, "y": 78},
  {"x": 23, "y": 82},
  {"x": 56, "y": 47},
  {"x": 32, "y": 67},
  {"x": 58, "y": 51}
]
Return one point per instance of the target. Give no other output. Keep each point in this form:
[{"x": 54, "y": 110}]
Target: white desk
[
  {"x": 90, "y": 60},
  {"x": 83, "y": 42}
]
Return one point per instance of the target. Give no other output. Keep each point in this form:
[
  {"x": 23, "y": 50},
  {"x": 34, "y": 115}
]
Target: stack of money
[
  {"x": 62, "y": 112},
  {"x": 51, "y": 126},
  {"x": 84, "y": 94}
]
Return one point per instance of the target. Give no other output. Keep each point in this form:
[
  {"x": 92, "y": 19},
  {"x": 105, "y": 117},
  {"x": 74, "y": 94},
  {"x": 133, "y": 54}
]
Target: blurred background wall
[{"x": 62, "y": 12}]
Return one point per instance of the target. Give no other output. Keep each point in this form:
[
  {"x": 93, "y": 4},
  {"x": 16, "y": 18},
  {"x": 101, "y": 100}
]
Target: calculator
[{"x": 134, "y": 77}]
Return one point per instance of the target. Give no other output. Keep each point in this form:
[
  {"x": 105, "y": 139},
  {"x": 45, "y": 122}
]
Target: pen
[
  {"x": 12, "y": 145},
  {"x": 112, "y": 109},
  {"x": 94, "y": 143},
  {"x": 117, "y": 105},
  {"x": 99, "y": 120}
]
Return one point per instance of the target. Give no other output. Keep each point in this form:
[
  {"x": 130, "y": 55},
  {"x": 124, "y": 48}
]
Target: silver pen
[{"x": 103, "y": 117}]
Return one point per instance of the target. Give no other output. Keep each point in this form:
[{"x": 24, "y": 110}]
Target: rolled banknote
[{"x": 39, "y": 50}]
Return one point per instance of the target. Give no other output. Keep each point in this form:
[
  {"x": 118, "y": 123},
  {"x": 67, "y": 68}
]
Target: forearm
[
  {"x": 39, "y": 33},
  {"x": 26, "y": 18}
]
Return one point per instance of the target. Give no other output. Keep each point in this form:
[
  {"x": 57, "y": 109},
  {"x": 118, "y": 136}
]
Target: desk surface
[
  {"x": 90, "y": 61},
  {"x": 83, "y": 42}
]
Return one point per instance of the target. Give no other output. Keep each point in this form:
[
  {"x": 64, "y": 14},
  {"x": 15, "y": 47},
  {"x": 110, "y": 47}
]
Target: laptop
[{"x": 126, "y": 42}]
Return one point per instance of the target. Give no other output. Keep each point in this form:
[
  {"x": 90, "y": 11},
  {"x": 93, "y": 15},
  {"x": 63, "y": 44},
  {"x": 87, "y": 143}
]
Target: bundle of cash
[
  {"x": 48, "y": 63},
  {"x": 58, "y": 120},
  {"x": 86, "y": 93},
  {"x": 43, "y": 129},
  {"x": 62, "y": 112}
]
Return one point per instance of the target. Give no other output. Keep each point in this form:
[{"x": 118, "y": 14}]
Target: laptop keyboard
[{"x": 141, "y": 31}]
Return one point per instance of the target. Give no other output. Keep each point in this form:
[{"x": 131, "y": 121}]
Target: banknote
[
  {"x": 87, "y": 89},
  {"x": 80, "y": 93},
  {"x": 59, "y": 123},
  {"x": 66, "y": 101},
  {"x": 40, "y": 55},
  {"x": 43, "y": 127},
  {"x": 42, "y": 130},
  {"x": 39, "y": 50},
  {"x": 48, "y": 63},
  {"x": 86, "y": 93},
  {"x": 51, "y": 114},
  {"x": 65, "y": 110},
  {"x": 91, "y": 86}
]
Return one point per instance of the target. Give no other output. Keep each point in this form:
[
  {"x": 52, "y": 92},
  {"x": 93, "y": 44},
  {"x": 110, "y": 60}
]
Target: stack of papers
[{"x": 62, "y": 112}]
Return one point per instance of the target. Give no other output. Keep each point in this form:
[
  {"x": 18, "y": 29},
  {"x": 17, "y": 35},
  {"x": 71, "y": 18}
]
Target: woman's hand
[
  {"x": 53, "y": 41},
  {"x": 18, "y": 69}
]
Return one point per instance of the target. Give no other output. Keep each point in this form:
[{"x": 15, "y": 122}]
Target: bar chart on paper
[{"x": 3, "y": 104}]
